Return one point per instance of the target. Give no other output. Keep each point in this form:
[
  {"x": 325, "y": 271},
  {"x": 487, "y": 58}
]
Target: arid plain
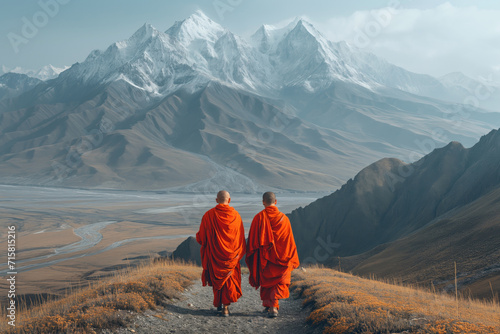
[{"x": 68, "y": 237}]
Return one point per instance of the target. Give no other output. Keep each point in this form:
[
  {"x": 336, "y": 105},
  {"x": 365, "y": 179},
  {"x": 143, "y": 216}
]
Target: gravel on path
[{"x": 194, "y": 313}]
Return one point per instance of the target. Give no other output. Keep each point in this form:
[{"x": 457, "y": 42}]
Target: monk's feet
[
  {"x": 273, "y": 312},
  {"x": 225, "y": 311},
  {"x": 266, "y": 310},
  {"x": 219, "y": 309}
]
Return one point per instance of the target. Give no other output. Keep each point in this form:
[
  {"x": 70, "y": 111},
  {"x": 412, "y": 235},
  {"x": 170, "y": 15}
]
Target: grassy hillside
[
  {"x": 105, "y": 304},
  {"x": 343, "y": 303},
  {"x": 468, "y": 236}
]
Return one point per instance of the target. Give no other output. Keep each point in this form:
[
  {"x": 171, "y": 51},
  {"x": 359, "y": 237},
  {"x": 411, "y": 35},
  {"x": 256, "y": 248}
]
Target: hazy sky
[{"x": 434, "y": 37}]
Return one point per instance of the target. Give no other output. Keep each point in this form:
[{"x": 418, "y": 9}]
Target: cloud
[{"x": 435, "y": 41}]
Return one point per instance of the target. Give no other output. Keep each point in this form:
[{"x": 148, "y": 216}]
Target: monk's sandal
[{"x": 225, "y": 312}]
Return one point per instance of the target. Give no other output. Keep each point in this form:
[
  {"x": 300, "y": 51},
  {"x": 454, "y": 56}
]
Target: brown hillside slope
[
  {"x": 107, "y": 303},
  {"x": 390, "y": 200},
  {"x": 380, "y": 205},
  {"x": 469, "y": 236},
  {"x": 343, "y": 303}
]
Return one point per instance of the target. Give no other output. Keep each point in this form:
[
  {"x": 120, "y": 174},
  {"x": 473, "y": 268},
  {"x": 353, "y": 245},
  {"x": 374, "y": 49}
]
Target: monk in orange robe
[
  {"x": 222, "y": 240},
  {"x": 271, "y": 254}
]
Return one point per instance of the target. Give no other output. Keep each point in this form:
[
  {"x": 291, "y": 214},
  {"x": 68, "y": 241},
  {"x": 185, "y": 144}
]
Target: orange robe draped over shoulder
[
  {"x": 271, "y": 253},
  {"x": 222, "y": 240}
]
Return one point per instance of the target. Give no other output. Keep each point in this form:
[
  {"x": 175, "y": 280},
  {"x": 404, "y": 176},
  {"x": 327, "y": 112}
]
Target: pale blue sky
[{"x": 82, "y": 26}]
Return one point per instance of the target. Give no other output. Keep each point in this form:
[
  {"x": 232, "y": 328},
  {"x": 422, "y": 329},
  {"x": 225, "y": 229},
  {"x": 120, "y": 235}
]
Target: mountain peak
[
  {"x": 268, "y": 35},
  {"x": 261, "y": 38},
  {"x": 47, "y": 72},
  {"x": 306, "y": 27},
  {"x": 199, "y": 14},
  {"x": 142, "y": 34},
  {"x": 196, "y": 26},
  {"x": 490, "y": 140}
]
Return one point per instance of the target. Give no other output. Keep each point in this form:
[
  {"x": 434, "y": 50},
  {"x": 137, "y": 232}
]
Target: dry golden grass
[
  {"x": 102, "y": 304},
  {"x": 343, "y": 303}
]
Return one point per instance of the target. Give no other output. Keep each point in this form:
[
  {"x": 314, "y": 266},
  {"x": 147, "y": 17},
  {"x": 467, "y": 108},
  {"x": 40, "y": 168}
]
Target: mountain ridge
[
  {"x": 356, "y": 66},
  {"x": 302, "y": 115},
  {"x": 390, "y": 213}
]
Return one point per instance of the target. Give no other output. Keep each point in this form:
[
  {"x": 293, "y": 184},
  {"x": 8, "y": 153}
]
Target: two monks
[{"x": 271, "y": 253}]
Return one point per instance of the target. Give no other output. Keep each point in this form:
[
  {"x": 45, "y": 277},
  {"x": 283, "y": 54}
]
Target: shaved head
[
  {"x": 269, "y": 198},
  {"x": 223, "y": 197}
]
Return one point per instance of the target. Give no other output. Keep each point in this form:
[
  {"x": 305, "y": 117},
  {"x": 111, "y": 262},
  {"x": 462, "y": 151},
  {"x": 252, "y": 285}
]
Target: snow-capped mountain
[
  {"x": 45, "y": 73},
  {"x": 190, "y": 53},
  {"x": 197, "y": 50},
  {"x": 304, "y": 57},
  {"x": 14, "y": 84},
  {"x": 197, "y": 105}
]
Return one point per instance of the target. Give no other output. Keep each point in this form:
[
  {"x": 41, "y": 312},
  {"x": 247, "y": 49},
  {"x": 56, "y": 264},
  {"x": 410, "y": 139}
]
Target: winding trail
[{"x": 194, "y": 313}]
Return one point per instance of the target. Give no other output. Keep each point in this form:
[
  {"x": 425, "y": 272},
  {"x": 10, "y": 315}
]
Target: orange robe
[
  {"x": 222, "y": 240},
  {"x": 271, "y": 255}
]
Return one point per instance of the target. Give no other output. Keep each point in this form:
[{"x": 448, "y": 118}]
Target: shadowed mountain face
[
  {"x": 219, "y": 134},
  {"x": 469, "y": 236},
  {"x": 119, "y": 137},
  {"x": 390, "y": 199},
  {"x": 189, "y": 251},
  {"x": 14, "y": 84},
  {"x": 441, "y": 208}
]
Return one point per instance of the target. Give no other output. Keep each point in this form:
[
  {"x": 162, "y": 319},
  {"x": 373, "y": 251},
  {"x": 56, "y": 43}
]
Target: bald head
[
  {"x": 269, "y": 198},
  {"x": 223, "y": 197}
]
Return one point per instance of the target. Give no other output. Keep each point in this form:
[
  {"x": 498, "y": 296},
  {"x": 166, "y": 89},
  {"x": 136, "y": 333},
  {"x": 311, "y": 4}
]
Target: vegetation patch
[
  {"x": 342, "y": 303},
  {"x": 105, "y": 304}
]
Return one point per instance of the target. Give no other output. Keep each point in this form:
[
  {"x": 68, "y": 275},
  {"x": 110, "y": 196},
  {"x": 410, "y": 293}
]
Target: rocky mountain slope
[
  {"x": 14, "y": 84},
  {"x": 197, "y": 105},
  {"x": 412, "y": 220}
]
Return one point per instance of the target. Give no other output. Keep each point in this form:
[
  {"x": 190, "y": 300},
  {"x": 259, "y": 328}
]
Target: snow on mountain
[
  {"x": 267, "y": 37},
  {"x": 197, "y": 27},
  {"x": 45, "y": 73},
  {"x": 190, "y": 53},
  {"x": 197, "y": 89},
  {"x": 15, "y": 84},
  {"x": 197, "y": 50},
  {"x": 482, "y": 92},
  {"x": 460, "y": 80}
]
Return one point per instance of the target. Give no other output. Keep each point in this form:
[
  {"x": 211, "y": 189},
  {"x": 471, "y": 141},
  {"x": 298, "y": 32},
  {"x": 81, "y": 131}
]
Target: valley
[
  {"x": 66, "y": 237},
  {"x": 383, "y": 172}
]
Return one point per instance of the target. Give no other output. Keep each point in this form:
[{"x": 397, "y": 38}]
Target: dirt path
[{"x": 196, "y": 314}]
